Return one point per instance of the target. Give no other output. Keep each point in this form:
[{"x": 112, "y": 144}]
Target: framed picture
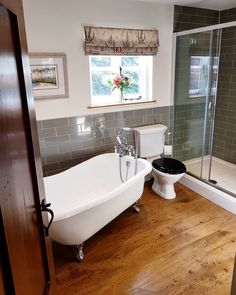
[{"x": 49, "y": 75}]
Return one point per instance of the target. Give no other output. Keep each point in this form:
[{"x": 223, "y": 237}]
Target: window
[
  {"x": 104, "y": 68},
  {"x": 199, "y": 69}
]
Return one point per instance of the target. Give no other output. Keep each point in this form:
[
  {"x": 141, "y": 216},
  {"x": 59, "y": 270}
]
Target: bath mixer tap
[
  {"x": 121, "y": 145},
  {"x": 124, "y": 149}
]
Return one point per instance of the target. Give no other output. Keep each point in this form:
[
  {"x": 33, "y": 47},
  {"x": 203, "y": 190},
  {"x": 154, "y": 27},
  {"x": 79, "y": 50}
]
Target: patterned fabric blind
[{"x": 112, "y": 41}]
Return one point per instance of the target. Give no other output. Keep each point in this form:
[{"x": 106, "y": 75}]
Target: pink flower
[{"x": 117, "y": 80}]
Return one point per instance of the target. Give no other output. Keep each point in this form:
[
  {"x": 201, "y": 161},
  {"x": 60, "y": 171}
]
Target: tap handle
[{"x": 118, "y": 140}]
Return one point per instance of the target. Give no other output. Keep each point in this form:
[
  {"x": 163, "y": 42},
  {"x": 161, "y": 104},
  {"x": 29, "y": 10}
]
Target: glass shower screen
[{"x": 195, "y": 92}]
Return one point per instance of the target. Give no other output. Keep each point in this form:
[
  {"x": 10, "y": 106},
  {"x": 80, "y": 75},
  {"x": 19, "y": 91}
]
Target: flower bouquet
[{"x": 120, "y": 82}]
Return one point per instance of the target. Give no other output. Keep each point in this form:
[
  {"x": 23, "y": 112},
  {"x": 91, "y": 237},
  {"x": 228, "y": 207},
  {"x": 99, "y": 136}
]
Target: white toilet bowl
[
  {"x": 163, "y": 184},
  {"x": 166, "y": 172}
]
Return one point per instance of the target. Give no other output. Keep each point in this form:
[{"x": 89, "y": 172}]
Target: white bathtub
[{"x": 88, "y": 196}]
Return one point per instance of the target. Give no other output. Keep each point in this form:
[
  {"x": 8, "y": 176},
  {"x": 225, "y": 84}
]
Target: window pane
[
  {"x": 127, "y": 61},
  {"x": 104, "y": 68},
  {"x": 100, "y": 83},
  {"x": 100, "y": 61},
  {"x": 134, "y": 87}
]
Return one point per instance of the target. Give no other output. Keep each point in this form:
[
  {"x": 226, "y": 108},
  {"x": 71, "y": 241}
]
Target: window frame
[{"x": 145, "y": 85}]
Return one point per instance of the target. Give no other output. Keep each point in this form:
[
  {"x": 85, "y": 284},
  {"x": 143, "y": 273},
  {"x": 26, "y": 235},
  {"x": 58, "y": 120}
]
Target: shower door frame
[{"x": 189, "y": 32}]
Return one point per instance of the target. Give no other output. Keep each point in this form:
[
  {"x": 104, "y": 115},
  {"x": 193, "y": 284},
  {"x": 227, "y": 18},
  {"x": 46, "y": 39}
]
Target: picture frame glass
[{"x": 48, "y": 75}]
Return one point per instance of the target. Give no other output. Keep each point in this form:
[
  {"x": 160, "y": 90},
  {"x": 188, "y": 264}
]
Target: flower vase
[{"x": 121, "y": 96}]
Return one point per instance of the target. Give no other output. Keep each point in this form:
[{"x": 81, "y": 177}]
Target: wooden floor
[{"x": 182, "y": 246}]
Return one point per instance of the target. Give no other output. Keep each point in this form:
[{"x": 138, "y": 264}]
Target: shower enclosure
[{"x": 204, "y": 135}]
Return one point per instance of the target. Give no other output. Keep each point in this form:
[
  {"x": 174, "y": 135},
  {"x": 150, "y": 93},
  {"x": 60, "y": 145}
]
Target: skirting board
[{"x": 212, "y": 194}]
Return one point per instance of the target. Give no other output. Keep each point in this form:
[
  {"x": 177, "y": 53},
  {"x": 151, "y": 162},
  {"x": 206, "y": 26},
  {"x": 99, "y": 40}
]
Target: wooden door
[
  {"x": 2, "y": 287},
  {"x": 6, "y": 281},
  {"x": 28, "y": 258}
]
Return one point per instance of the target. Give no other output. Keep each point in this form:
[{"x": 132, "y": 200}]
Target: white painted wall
[{"x": 57, "y": 26}]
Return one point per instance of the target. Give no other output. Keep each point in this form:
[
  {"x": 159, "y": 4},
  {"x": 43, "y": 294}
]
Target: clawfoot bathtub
[{"x": 88, "y": 196}]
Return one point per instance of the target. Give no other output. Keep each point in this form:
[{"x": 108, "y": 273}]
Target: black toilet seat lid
[{"x": 169, "y": 165}]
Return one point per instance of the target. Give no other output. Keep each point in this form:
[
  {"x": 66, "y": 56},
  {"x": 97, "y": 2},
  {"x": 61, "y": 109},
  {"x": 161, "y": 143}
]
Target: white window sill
[{"x": 121, "y": 104}]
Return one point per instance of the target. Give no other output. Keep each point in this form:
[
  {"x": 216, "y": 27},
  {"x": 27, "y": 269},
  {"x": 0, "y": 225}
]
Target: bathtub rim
[{"x": 107, "y": 196}]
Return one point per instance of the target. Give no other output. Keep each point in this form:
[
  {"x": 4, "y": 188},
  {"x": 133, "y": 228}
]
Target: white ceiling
[
  {"x": 210, "y": 4},
  {"x": 216, "y": 4}
]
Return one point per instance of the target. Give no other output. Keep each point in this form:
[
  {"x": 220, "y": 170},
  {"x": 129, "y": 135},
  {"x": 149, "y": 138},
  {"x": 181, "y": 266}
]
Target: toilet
[{"x": 165, "y": 171}]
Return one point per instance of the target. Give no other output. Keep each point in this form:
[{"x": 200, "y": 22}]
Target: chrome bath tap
[
  {"x": 121, "y": 146},
  {"x": 124, "y": 149}
]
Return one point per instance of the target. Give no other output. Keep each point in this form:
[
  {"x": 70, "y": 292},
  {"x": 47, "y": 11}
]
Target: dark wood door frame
[
  {"x": 15, "y": 7},
  {"x": 6, "y": 280},
  {"x": 15, "y": 10}
]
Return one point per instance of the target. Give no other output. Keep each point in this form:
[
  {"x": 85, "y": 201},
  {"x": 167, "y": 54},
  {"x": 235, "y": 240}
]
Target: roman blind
[{"x": 116, "y": 41}]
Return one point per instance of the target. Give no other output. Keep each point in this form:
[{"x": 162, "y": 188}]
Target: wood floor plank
[{"x": 181, "y": 246}]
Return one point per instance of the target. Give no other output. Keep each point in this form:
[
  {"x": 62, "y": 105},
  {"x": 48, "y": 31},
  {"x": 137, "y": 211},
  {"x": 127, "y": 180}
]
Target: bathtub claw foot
[
  {"x": 136, "y": 207},
  {"x": 79, "y": 252}
]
